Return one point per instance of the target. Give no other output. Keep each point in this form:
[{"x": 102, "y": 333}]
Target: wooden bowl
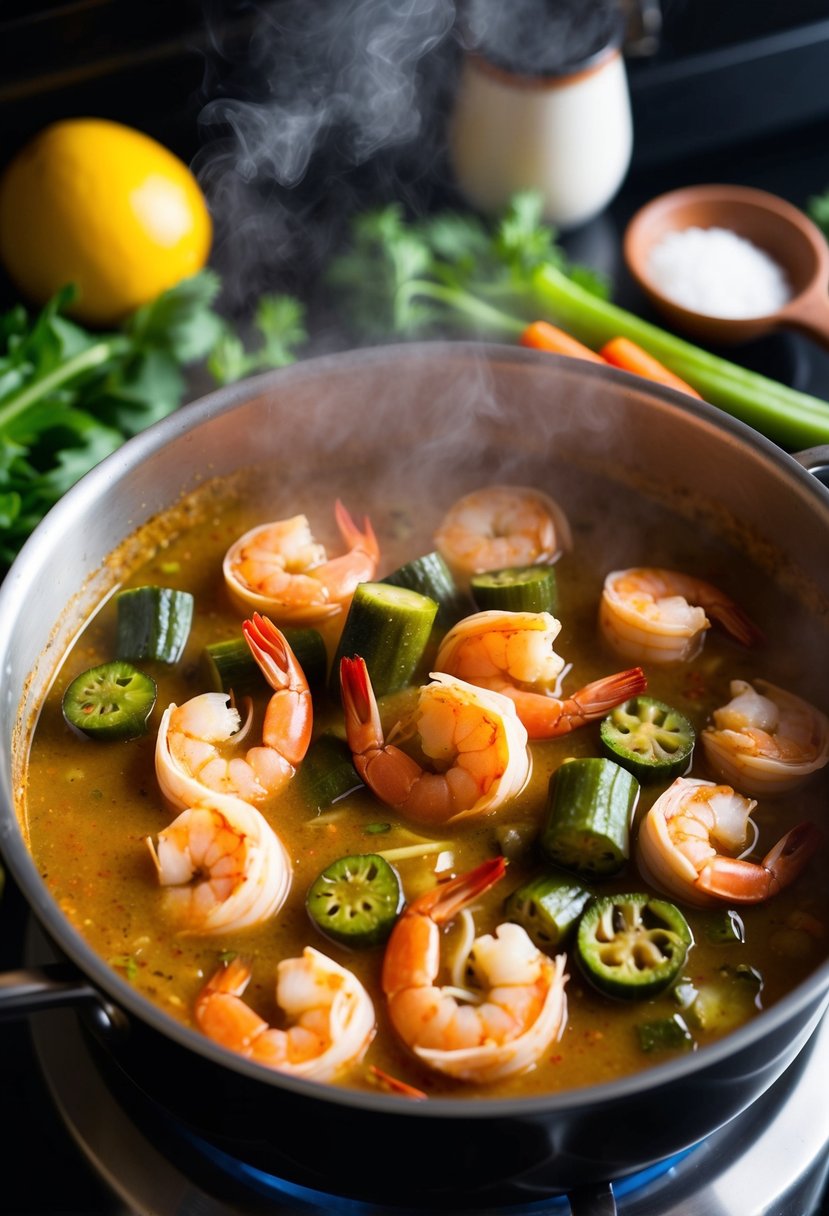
[{"x": 774, "y": 225}]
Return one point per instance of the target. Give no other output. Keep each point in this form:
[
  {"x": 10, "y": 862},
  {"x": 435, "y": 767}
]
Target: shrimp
[
  {"x": 681, "y": 834},
  {"x": 512, "y": 653},
  {"x": 502, "y": 526},
  {"x": 331, "y": 1015},
  {"x": 474, "y": 737},
  {"x": 280, "y": 569},
  {"x": 223, "y": 866},
  {"x": 195, "y": 740},
  {"x": 766, "y": 740},
  {"x": 522, "y": 1005},
  {"x": 660, "y": 616}
]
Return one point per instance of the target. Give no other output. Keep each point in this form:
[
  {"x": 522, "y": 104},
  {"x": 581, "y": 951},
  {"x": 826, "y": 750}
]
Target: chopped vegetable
[
  {"x": 632, "y": 946},
  {"x": 728, "y": 1000},
  {"x": 541, "y": 335},
  {"x": 590, "y": 802},
  {"x": 649, "y": 738},
  {"x": 516, "y": 589},
  {"x": 112, "y": 701},
  {"x": 153, "y": 623},
  {"x": 725, "y": 928},
  {"x": 453, "y": 270},
  {"x": 355, "y": 900},
  {"x": 429, "y": 575},
  {"x": 388, "y": 627},
  {"x": 621, "y": 352},
  {"x": 548, "y": 907},
  {"x": 665, "y": 1034},
  {"x": 327, "y": 773},
  {"x": 70, "y": 397}
]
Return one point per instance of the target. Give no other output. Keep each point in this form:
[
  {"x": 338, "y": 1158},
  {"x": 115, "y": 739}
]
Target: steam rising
[{"x": 302, "y": 99}]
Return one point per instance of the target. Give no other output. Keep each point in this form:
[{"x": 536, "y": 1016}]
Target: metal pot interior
[{"x": 424, "y": 412}]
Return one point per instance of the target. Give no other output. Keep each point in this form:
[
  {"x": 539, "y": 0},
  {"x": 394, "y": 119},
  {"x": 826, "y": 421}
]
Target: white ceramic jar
[{"x": 566, "y": 133}]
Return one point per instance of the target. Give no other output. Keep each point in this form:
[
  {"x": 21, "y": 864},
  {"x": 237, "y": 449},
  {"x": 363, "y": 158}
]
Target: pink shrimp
[
  {"x": 474, "y": 737},
  {"x": 194, "y": 748},
  {"x": 331, "y": 1014},
  {"x": 516, "y": 1003},
  {"x": 679, "y": 843},
  {"x": 512, "y": 653},
  {"x": 660, "y": 616},
  {"x": 280, "y": 569}
]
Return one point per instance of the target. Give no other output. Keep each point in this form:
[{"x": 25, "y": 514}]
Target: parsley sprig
[{"x": 70, "y": 397}]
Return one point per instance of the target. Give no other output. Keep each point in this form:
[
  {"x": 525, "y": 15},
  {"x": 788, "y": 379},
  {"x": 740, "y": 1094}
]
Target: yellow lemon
[{"x": 100, "y": 205}]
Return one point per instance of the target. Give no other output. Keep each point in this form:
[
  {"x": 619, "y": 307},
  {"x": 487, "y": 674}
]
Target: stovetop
[{"x": 794, "y": 165}]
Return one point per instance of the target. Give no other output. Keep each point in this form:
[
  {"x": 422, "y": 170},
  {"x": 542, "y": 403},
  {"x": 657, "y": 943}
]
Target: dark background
[{"x": 731, "y": 90}]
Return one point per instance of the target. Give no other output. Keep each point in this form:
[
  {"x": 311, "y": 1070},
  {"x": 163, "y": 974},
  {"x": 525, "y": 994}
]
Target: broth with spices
[{"x": 90, "y": 805}]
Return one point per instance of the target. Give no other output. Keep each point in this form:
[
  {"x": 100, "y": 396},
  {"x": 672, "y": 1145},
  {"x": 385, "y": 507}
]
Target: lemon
[{"x": 103, "y": 206}]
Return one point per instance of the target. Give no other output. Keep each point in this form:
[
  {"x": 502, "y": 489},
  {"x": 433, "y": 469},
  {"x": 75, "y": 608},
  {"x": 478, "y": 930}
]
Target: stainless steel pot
[{"x": 446, "y": 405}]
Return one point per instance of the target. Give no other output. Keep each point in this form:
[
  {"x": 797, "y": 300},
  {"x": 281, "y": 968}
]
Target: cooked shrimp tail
[
  {"x": 516, "y": 1002},
  {"x": 689, "y": 842},
  {"x": 502, "y": 526},
  {"x": 197, "y": 743},
  {"x": 512, "y": 653},
  {"x": 331, "y": 1015},
  {"x": 280, "y": 569},
  {"x": 766, "y": 740},
  {"x": 474, "y": 738},
  {"x": 222, "y": 866},
  {"x": 660, "y": 616}
]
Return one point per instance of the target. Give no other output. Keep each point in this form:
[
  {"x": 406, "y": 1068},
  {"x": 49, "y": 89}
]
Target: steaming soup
[{"x": 90, "y": 805}]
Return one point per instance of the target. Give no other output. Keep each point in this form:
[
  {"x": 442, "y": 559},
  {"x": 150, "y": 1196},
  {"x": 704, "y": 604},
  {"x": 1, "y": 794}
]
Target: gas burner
[{"x": 772, "y": 1159}]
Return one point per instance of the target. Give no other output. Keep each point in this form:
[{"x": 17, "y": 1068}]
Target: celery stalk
[{"x": 787, "y": 416}]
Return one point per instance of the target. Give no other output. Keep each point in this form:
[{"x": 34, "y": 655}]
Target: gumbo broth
[{"x": 89, "y": 806}]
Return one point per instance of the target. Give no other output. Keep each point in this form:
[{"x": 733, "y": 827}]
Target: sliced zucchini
[
  {"x": 730, "y": 998},
  {"x": 153, "y": 623},
  {"x": 548, "y": 907},
  {"x": 632, "y": 946},
  {"x": 355, "y": 901},
  {"x": 650, "y": 739},
  {"x": 112, "y": 701},
  {"x": 725, "y": 928},
  {"x": 230, "y": 666},
  {"x": 590, "y": 802},
  {"x": 665, "y": 1034},
  {"x": 327, "y": 773},
  {"x": 429, "y": 575},
  {"x": 516, "y": 589},
  {"x": 389, "y": 627}
]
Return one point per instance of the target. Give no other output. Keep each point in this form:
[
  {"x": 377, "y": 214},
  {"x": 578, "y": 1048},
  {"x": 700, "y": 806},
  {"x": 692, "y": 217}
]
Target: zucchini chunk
[
  {"x": 153, "y": 623},
  {"x": 665, "y": 1034},
  {"x": 327, "y": 773},
  {"x": 355, "y": 900},
  {"x": 112, "y": 701},
  {"x": 590, "y": 802},
  {"x": 632, "y": 946},
  {"x": 230, "y": 666},
  {"x": 516, "y": 589},
  {"x": 388, "y": 627},
  {"x": 429, "y": 575},
  {"x": 548, "y": 907},
  {"x": 650, "y": 739}
]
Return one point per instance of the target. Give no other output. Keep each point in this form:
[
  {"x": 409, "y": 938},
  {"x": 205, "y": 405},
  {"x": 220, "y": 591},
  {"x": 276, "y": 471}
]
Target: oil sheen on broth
[{"x": 90, "y": 806}]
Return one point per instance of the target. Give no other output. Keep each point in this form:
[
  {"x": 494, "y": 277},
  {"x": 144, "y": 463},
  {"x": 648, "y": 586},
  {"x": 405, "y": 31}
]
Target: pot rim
[{"x": 136, "y": 451}]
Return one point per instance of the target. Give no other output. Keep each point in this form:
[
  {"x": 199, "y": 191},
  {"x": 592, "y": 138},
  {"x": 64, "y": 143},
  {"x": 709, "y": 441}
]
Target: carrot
[
  {"x": 541, "y": 335},
  {"x": 621, "y": 352}
]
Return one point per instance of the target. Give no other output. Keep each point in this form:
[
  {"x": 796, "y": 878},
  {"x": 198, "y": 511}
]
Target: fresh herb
[
  {"x": 454, "y": 272},
  {"x": 817, "y": 208},
  {"x": 280, "y": 321},
  {"x": 69, "y": 397},
  {"x": 127, "y": 964}
]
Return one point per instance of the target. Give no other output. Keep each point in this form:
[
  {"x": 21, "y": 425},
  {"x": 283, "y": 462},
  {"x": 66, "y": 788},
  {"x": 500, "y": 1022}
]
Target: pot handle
[
  {"x": 816, "y": 462},
  {"x": 54, "y": 986}
]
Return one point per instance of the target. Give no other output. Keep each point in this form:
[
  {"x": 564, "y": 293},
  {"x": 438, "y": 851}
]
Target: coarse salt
[{"x": 716, "y": 272}]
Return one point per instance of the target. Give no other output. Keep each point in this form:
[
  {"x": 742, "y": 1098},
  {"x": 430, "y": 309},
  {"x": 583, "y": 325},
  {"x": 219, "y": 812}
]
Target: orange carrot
[
  {"x": 540, "y": 335},
  {"x": 621, "y": 352}
]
